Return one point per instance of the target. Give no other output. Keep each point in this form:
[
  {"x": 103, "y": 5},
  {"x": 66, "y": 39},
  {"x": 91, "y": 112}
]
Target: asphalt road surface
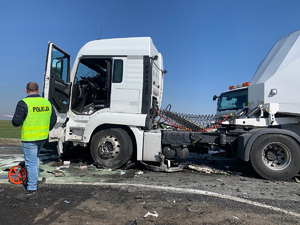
[{"x": 76, "y": 192}]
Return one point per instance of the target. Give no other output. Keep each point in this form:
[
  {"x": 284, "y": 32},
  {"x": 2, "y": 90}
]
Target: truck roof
[{"x": 134, "y": 46}]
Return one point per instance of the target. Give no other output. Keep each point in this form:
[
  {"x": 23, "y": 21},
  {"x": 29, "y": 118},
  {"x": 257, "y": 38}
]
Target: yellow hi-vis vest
[{"x": 36, "y": 124}]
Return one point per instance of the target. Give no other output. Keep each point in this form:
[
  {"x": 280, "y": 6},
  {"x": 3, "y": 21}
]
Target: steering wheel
[{"x": 92, "y": 85}]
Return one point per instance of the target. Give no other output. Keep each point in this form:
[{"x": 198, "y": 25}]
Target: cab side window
[{"x": 118, "y": 71}]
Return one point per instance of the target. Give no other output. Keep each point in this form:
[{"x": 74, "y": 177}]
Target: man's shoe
[{"x": 27, "y": 195}]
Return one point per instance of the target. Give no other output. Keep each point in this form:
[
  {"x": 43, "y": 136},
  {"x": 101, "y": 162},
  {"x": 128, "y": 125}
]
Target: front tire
[
  {"x": 275, "y": 157},
  {"x": 111, "y": 148}
]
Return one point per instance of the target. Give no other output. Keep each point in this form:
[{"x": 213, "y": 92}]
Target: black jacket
[{"x": 22, "y": 111}]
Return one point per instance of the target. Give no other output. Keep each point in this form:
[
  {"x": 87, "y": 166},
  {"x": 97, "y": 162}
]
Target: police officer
[{"x": 36, "y": 116}]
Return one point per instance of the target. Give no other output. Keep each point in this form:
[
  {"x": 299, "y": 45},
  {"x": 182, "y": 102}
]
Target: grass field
[{"x": 7, "y": 130}]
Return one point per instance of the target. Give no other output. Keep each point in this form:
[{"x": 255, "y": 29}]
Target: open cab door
[{"x": 57, "y": 88}]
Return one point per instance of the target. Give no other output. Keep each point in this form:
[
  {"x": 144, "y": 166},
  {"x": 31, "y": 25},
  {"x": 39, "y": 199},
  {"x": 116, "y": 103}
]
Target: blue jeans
[{"x": 32, "y": 162}]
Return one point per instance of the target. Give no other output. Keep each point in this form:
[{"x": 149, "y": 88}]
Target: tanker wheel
[
  {"x": 111, "y": 148},
  {"x": 275, "y": 157}
]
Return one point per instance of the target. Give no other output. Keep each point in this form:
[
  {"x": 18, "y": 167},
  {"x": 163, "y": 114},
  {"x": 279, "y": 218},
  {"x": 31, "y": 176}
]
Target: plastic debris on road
[
  {"x": 155, "y": 214},
  {"x": 57, "y": 173},
  {"x": 139, "y": 172}
]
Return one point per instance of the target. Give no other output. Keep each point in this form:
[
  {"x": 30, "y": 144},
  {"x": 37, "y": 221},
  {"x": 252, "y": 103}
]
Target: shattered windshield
[{"x": 233, "y": 100}]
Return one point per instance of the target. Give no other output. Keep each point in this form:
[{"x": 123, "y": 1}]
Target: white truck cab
[
  {"x": 232, "y": 101},
  {"x": 108, "y": 98}
]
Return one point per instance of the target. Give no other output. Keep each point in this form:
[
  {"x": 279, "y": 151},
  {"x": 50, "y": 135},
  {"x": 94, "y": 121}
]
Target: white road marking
[{"x": 195, "y": 191}]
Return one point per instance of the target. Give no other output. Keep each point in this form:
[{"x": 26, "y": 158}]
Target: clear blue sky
[{"x": 207, "y": 45}]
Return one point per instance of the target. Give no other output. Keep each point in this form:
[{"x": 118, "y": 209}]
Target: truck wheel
[
  {"x": 111, "y": 148},
  {"x": 275, "y": 157}
]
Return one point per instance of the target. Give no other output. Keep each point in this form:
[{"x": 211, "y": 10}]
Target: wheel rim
[
  {"x": 276, "y": 156},
  {"x": 109, "y": 147}
]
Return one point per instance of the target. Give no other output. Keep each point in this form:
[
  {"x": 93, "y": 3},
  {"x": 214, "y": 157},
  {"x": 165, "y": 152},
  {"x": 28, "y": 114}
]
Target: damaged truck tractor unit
[{"x": 111, "y": 99}]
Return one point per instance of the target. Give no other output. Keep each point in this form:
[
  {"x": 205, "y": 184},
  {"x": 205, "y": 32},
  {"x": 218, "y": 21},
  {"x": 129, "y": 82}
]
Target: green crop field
[{"x": 7, "y": 130}]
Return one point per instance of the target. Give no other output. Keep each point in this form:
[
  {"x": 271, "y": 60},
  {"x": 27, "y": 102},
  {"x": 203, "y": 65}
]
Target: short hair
[{"x": 32, "y": 87}]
